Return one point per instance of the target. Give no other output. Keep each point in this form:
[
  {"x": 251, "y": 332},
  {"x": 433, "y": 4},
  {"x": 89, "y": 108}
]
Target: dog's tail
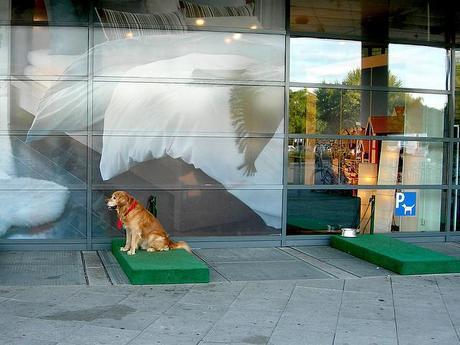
[{"x": 180, "y": 245}]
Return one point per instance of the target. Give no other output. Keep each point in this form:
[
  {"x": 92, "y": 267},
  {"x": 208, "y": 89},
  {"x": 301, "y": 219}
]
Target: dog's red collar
[{"x": 131, "y": 207}]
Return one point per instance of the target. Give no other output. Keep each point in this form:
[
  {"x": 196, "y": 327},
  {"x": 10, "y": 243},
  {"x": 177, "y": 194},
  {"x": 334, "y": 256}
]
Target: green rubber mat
[
  {"x": 170, "y": 267},
  {"x": 395, "y": 255}
]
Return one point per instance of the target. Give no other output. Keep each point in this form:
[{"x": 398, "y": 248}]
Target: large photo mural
[{"x": 182, "y": 100}]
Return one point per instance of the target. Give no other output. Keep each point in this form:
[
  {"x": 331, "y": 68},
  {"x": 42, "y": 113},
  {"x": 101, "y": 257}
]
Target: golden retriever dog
[{"x": 142, "y": 228}]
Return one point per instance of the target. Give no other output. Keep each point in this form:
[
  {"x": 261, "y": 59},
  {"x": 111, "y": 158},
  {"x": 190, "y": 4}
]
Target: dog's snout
[{"x": 111, "y": 203}]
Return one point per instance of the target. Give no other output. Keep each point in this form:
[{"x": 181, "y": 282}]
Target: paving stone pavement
[
  {"x": 312, "y": 306},
  {"x": 381, "y": 310}
]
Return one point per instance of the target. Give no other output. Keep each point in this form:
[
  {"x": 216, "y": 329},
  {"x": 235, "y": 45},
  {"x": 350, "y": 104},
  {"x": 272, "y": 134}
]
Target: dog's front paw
[
  {"x": 124, "y": 249},
  {"x": 131, "y": 252}
]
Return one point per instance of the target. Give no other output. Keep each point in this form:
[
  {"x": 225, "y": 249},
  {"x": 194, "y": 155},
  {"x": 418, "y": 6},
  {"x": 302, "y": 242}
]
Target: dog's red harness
[{"x": 131, "y": 207}]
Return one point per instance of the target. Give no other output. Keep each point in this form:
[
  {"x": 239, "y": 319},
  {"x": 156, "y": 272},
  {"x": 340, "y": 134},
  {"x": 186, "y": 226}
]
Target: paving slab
[
  {"x": 43, "y": 294},
  {"x": 371, "y": 310},
  {"x": 323, "y": 252},
  {"x": 275, "y": 270},
  {"x": 448, "y": 282},
  {"x": 222, "y": 294},
  {"x": 332, "y": 284},
  {"x": 27, "y": 274},
  {"x": 288, "y": 333},
  {"x": 366, "y": 306},
  {"x": 351, "y": 331},
  {"x": 174, "y": 329},
  {"x": 57, "y": 258},
  {"x": 127, "y": 319},
  {"x": 358, "y": 267},
  {"x": 113, "y": 269},
  {"x": 448, "y": 248},
  {"x": 375, "y": 310},
  {"x": 244, "y": 326},
  {"x": 29, "y": 341},
  {"x": 242, "y": 255},
  {"x": 320, "y": 264},
  {"x": 373, "y": 285},
  {"x": 101, "y": 335},
  {"x": 45, "y": 330}
]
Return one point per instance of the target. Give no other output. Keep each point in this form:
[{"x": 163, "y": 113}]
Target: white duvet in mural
[{"x": 233, "y": 133}]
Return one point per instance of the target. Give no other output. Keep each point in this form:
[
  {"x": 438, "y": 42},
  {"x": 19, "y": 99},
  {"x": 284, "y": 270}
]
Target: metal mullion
[
  {"x": 69, "y": 187},
  {"x": 212, "y": 29},
  {"x": 42, "y": 241},
  {"x": 285, "y": 141},
  {"x": 175, "y": 188},
  {"x": 450, "y": 165},
  {"x": 186, "y": 81},
  {"x": 224, "y": 238},
  {"x": 356, "y": 187},
  {"x": 27, "y": 78},
  {"x": 20, "y": 23},
  {"x": 368, "y": 88},
  {"x": 41, "y": 133},
  {"x": 210, "y": 135},
  {"x": 89, "y": 114},
  {"x": 360, "y": 38},
  {"x": 366, "y": 137}
]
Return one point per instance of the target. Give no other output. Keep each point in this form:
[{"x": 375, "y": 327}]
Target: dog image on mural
[{"x": 143, "y": 229}]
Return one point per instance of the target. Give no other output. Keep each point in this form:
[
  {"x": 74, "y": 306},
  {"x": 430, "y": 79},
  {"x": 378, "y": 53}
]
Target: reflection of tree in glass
[{"x": 336, "y": 109}]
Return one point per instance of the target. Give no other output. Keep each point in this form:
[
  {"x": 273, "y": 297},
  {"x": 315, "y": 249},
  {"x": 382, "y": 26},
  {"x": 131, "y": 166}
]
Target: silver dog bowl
[{"x": 349, "y": 232}]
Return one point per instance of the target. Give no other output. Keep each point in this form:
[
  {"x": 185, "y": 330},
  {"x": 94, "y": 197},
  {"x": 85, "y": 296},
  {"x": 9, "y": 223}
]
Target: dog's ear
[
  {"x": 124, "y": 198},
  {"x": 129, "y": 198}
]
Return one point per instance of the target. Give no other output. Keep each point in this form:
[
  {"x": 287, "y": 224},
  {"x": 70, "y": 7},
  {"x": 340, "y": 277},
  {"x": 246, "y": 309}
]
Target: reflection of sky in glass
[
  {"x": 316, "y": 60},
  {"x": 438, "y": 102},
  {"x": 418, "y": 66},
  {"x": 322, "y": 60}
]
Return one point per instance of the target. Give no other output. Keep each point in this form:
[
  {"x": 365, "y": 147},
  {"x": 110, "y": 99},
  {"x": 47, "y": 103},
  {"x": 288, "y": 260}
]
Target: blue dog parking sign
[{"x": 405, "y": 204}]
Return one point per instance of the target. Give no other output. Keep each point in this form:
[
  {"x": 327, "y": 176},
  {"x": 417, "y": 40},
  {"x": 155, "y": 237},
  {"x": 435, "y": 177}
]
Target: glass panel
[
  {"x": 376, "y": 21},
  {"x": 348, "y": 112},
  {"x": 455, "y": 214},
  {"x": 365, "y": 162},
  {"x": 457, "y": 90},
  {"x": 42, "y": 106},
  {"x": 23, "y": 216},
  {"x": 328, "y": 61},
  {"x": 48, "y": 11},
  {"x": 419, "y": 66},
  {"x": 236, "y": 212},
  {"x": 268, "y": 15},
  {"x": 315, "y": 60},
  {"x": 456, "y": 158},
  {"x": 323, "y": 111},
  {"x": 181, "y": 109},
  {"x": 5, "y": 11},
  {"x": 4, "y": 106},
  {"x": 200, "y": 14},
  {"x": 328, "y": 211},
  {"x": 4, "y": 49},
  {"x": 192, "y": 161},
  {"x": 58, "y": 159},
  {"x": 191, "y": 55},
  {"x": 38, "y": 51}
]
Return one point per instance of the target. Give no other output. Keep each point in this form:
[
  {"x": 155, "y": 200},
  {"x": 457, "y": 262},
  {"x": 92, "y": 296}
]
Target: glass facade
[{"x": 245, "y": 118}]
